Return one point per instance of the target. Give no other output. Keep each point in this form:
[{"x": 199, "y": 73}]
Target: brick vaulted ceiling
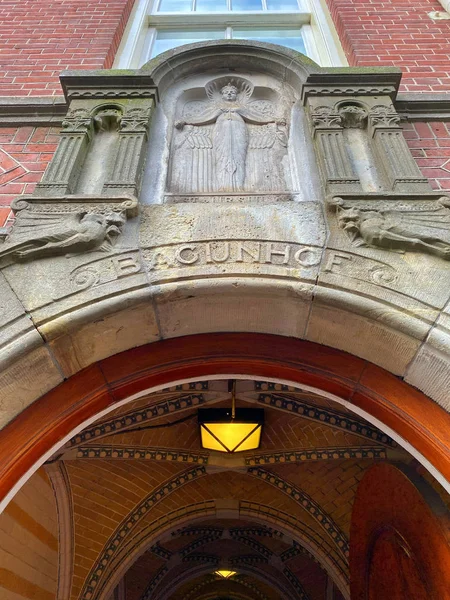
[{"x": 152, "y": 508}]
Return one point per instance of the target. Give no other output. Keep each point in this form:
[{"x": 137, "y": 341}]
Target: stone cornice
[
  {"x": 429, "y": 106},
  {"x": 36, "y": 111},
  {"x": 49, "y": 112}
]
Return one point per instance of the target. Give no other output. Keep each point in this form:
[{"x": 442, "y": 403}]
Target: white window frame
[{"x": 318, "y": 31}]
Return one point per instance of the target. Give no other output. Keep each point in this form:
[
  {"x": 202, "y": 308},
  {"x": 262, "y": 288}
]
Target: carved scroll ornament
[{"x": 408, "y": 225}]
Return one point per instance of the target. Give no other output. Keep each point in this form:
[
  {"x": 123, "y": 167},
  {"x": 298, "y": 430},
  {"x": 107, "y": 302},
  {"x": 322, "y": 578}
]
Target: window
[{"x": 159, "y": 25}]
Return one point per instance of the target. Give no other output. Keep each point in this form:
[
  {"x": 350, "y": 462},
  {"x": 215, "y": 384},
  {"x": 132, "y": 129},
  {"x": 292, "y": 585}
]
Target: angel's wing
[
  {"x": 195, "y": 110},
  {"x": 196, "y": 137},
  {"x": 263, "y": 108},
  {"x": 43, "y": 226},
  {"x": 265, "y": 136}
]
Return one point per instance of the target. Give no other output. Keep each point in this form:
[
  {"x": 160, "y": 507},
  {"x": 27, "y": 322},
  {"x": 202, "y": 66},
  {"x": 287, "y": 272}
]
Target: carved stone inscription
[
  {"x": 231, "y": 141},
  {"x": 296, "y": 259}
]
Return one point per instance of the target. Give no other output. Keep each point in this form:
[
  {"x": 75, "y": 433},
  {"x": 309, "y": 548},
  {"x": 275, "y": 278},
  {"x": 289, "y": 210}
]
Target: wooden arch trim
[{"x": 408, "y": 412}]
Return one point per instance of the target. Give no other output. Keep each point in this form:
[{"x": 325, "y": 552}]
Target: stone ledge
[{"x": 35, "y": 111}]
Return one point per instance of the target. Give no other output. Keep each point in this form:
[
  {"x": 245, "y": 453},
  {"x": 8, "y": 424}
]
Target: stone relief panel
[
  {"x": 230, "y": 137},
  {"x": 397, "y": 224},
  {"x": 45, "y": 230}
]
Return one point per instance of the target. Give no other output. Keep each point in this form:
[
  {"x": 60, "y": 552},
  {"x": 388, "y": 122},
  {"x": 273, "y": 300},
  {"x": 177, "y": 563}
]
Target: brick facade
[
  {"x": 83, "y": 35},
  {"x": 397, "y": 33},
  {"x": 39, "y": 39}
]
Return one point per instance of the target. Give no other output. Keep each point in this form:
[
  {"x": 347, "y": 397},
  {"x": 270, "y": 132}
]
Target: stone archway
[
  {"x": 402, "y": 411},
  {"x": 391, "y": 402},
  {"x": 155, "y": 274}
]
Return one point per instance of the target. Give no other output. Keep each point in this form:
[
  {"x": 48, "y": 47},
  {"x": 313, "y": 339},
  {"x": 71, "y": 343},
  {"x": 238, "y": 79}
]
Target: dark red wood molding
[{"x": 411, "y": 414}]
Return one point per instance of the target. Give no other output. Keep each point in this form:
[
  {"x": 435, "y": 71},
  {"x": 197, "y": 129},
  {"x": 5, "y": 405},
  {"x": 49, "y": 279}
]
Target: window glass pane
[
  {"x": 291, "y": 38},
  {"x": 282, "y": 4},
  {"x": 175, "y": 5},
  {"x": 246, "y": 4},
  {"x": 166, "y": 39},
  {"x": 211, "y": 6}
]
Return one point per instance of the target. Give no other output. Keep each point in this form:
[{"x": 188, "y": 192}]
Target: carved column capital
[
  {"x": 384, "y": 116},
  {"x": 135, "y": 120},
  {"x": 353, "y": 116},
  {"x": 325, "y": 117},
  {"x": 77, "y": 121},
  {"x": 328, "y": 132},
  {"x": 60, "y": 176}
]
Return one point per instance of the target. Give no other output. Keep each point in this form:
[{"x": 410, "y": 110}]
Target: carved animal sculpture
[
  {"x": 37, "y": 235},
  {"x": 420, "y": 231}
]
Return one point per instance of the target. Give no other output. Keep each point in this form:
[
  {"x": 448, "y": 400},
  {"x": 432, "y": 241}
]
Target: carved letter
[
  {"x": 224, "y": 258},
  {"x": 271, "y": 251},
  {"x": 126, "y": 265},
  {"x": 187, "y": 259},
  {"x": 254, "y": 254},
  {"x": 307, "y": 257},
  {"x": 335, "y": 259}
]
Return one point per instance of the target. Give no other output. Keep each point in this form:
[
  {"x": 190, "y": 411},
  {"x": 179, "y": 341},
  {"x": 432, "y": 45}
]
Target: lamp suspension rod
[{"x": 233, "y": 401}]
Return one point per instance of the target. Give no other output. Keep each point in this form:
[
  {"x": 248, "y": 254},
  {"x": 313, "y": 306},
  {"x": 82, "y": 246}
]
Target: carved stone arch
[
  {"x": 260, "y": 514},
  {"x": 229, "y": 55},
  {"x": 284, "y": 590},
  {"x": 125, "y": 545}
]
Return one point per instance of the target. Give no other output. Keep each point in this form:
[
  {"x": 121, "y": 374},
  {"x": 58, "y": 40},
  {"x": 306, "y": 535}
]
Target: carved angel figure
[
  {"x": 37, "y": 235},
  {"x": 218, "y": 154},
  {"x": 421, "y": 231}
]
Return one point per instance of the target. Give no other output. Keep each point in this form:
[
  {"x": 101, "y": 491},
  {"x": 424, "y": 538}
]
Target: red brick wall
[
  {"x": 430, "y": 145},
  {"x": 24, "y": 155},
  {"x": 41, "y": 38},
  {"x": 397, "y": 33}
]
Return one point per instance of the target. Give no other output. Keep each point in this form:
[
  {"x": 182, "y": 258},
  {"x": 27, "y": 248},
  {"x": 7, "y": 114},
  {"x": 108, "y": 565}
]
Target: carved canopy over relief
[{"x": 229, "y": 137}]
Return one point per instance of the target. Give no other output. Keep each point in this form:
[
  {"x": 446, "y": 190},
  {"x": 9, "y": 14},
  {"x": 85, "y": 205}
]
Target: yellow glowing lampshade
[
  {"x": 220, "y": 432},
  {"x": 224, "y": 573}
]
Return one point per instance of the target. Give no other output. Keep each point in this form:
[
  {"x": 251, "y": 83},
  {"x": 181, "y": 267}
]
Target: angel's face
[{"x": 229, "y": 93}]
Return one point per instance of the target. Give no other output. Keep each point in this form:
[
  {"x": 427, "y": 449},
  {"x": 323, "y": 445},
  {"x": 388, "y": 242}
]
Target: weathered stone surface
[
  {"x": 98, "y": 339},
  {"x": 17, "y": 331},
  {"x": 375, "y": 334},
  {"x": 246, "y": 146},
  {"x": 28, "y": 378},
  {"x": 186, "y": 241},
  {"x": 244, "y": 304}
]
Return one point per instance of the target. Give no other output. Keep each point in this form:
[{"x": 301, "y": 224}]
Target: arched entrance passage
[{"x": 406, "y": 412}]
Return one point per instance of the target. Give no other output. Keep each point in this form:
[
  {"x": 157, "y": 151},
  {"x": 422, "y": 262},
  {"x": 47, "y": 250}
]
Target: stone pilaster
[
  {"x": 62, "y": 173},
  {"x": 334, "y": 160},
  {"x": 128, "y": 165},
  {"x": 392, "y": 151}
]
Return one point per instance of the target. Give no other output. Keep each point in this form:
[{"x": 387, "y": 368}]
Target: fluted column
[
  {"x": 392, "y": 151},
  {"x": 62, "y": 172},
  {"x": 128, "y": 165},
  {"x": 331, "y": 150}
]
